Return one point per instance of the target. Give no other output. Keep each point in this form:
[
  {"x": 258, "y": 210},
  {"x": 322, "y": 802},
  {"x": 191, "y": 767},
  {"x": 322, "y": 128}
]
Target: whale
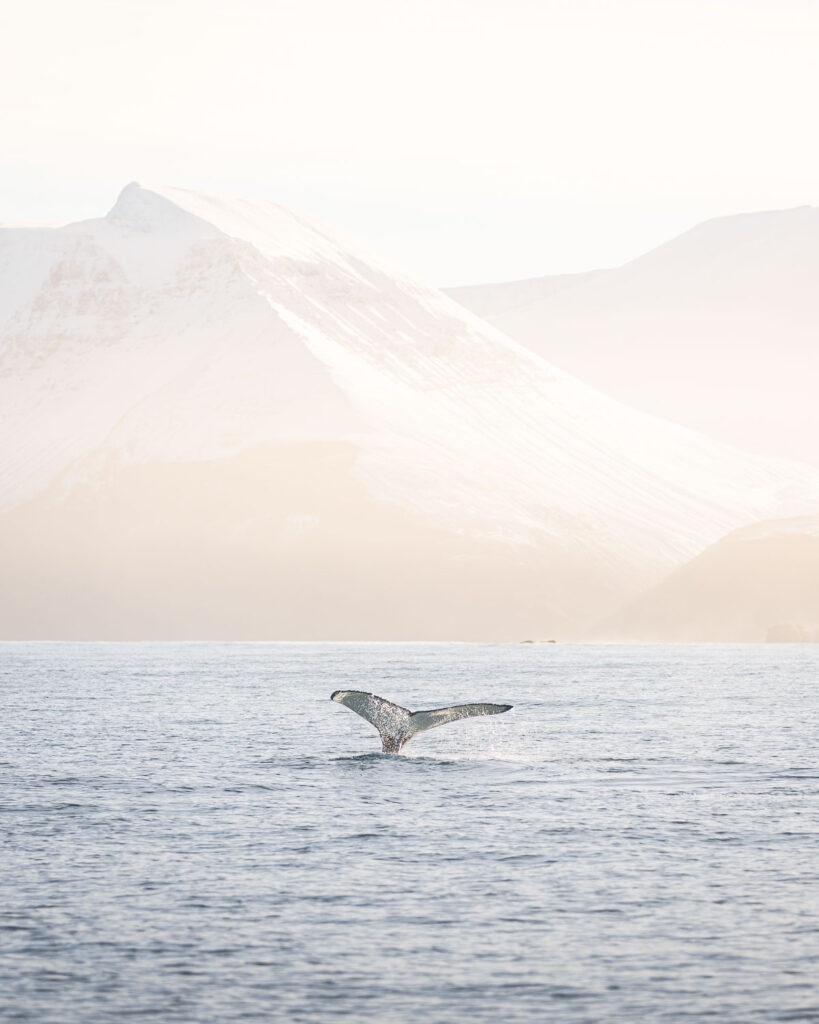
[{"x": 396, "y": 725}]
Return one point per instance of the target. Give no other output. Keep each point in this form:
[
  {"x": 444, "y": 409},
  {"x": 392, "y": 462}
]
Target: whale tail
[{"x": 396, "y": 725}]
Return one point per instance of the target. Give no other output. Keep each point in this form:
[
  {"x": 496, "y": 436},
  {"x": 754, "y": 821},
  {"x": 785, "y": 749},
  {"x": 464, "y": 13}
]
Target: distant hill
[
  {"x": 758, "y": 583},
  {"x": 717, "y": 329}
]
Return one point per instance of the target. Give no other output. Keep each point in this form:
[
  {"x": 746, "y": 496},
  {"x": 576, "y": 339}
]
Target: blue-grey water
[{"x": 195, "y": 832}]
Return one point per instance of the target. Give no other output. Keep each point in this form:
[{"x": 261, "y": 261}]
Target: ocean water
[{"x": 195, "y": 832}]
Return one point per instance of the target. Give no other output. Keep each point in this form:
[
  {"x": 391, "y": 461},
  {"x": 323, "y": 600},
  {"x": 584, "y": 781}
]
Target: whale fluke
[{"x": 396, "y": 725}]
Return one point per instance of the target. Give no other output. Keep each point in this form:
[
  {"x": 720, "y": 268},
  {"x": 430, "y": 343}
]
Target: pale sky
[{"x": 466, "y": 140}]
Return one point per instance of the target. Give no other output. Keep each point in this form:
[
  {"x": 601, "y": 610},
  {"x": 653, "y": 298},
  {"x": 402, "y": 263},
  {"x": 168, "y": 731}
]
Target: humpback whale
[{"x": 396, "y": 725}]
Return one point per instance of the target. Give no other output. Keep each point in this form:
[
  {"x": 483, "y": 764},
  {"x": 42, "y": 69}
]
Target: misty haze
[{"x": 409, "y": 512}]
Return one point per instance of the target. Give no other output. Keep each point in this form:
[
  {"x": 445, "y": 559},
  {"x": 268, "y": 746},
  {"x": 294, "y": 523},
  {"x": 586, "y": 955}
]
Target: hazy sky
[{"x": 465, "y": 139}]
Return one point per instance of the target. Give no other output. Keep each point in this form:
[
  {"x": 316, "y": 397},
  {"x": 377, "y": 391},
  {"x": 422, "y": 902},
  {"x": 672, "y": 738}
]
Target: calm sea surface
[{"x": 195, "y": 832}]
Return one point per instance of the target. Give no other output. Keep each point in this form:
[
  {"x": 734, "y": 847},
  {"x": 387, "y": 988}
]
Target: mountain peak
[
  {"x": 152, "y": 210},
  {"x": 273, "y": 230}
]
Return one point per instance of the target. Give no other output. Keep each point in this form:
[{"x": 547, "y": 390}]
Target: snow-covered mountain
[
  {"x": 717, "y": 329},
  {"x": 217, "y": 418}
]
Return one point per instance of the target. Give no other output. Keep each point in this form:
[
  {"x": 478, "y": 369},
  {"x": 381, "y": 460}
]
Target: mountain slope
[
  {"x": 146, "y": 356},
  {"x": 716, "y": 329}
]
